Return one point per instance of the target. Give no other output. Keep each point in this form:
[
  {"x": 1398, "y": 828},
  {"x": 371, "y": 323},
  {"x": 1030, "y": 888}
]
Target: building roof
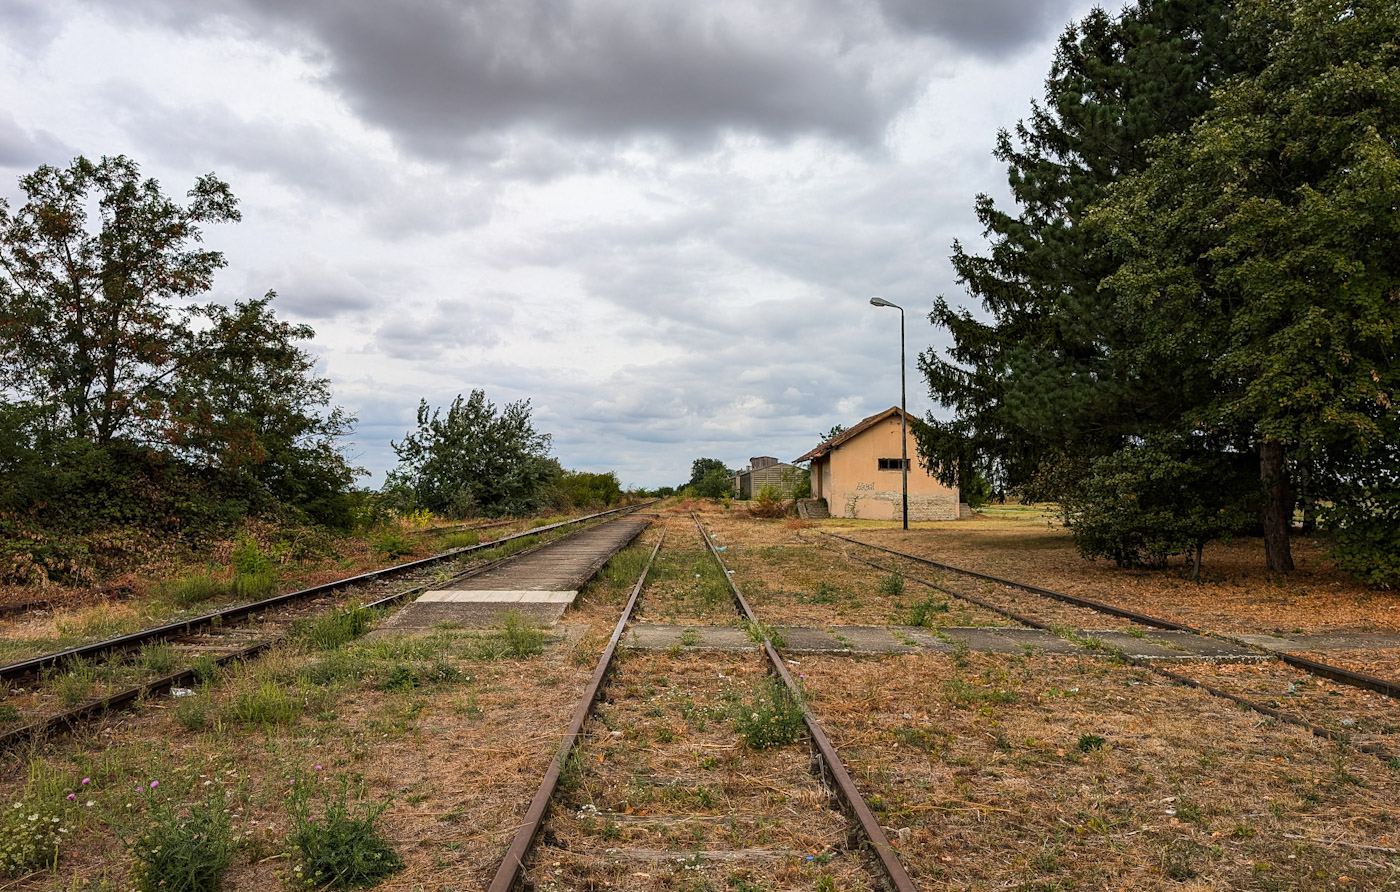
[{"x": 861, "y": 427}]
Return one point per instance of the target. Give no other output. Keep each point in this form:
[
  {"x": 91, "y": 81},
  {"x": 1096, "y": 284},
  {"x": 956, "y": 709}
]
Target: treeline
[
  {"x": 131, "y": 416},
  {"x": 476, "y": 460},
  {"x": 124, "y": 410},
  {"x": 1191, "y": 309}
]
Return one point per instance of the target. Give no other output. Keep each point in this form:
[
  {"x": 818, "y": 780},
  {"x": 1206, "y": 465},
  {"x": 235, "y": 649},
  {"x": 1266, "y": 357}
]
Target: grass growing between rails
[{"x": 326, "y": 763}]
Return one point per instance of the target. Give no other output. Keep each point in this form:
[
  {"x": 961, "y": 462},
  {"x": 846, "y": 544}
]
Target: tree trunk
[{"x": 1278, "y": 506}]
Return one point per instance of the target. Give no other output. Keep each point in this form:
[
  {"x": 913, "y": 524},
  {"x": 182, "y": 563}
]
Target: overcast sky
[{"x": 661, "y": 222}]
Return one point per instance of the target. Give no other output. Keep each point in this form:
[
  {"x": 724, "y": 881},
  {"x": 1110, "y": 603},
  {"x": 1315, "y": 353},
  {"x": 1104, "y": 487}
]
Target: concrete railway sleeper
[
  {"x": 1313, "y": 667},
  {"x": 1331, "y": 734},
  {"x": 224, "y": 636}
]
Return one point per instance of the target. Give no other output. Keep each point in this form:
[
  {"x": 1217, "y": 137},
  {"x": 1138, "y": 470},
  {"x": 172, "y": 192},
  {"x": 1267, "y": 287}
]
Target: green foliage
[
  {"x": 339, "y": 848},
  {"x": 717, "y": 483},
  {"x": 463, "y": 539},
  {"x": 1090, "y": 742},
  {"x": 892, "y": 586},
  {"x": 192, "y": 713},
  {"x": 1144, "y": 503},
  {"x": 581, "y": 489},
  {"x": 265, "y": 702},
  {"x": 30, "y": 833},
  {"x": 183, "y": 853},
  {"x": 474, "y": 460},
  {"x": 334, "y": 630},
  {"x": 393, "y": 544},
  {"x": 1364, "y": 521},
  {"x": 1043, "y": 373},
  {"x": 522, "y": 637},
  {"x": 926, "y": 613},
  {"x": 704, "y": 466},
  {"x": 186, "y": 591},
  {"x": 773, "y": 718},
  {"x": 767, "y": 503}
]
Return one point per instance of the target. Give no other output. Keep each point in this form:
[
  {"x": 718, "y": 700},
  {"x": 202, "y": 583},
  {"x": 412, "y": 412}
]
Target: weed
[
  {"x": 759, "y": 631},
  {"x": 1090, "y": 742},
  {"x": 29, "y": 835},
  {"x": 1394, "y": 764},
  {"x": 1136, "y": 632},
  {"x": 923, "y": 614},
  {"x": 158, "y": 659},
  {"x": 522, "y": 638},
  {"x": 206, "y": 669},
  {"x": 192, "y": 713},
  {"x": 8, "y": 714},
  {"x": 197, "y": 588},
  {"x": 465, "y": 539},
  {"x": 773, "y": 718},
  {"x": 690, "y": 637},
  {"x": 252, "y": 586},
  {"x": 401, "y": 677},
  {"x": 266, "y": 704},
  {"x": 334, "y": 629},
  {"x": 964, "y": 694},
  {"x": 825, "y": 883},
  {"x": 75, "y": 685},
  {"x": 248, "y": 558},
  {"x": 892, "y": 586},
  {"x": 175, "y": 853},
  {"x": 340, "y": 848}
]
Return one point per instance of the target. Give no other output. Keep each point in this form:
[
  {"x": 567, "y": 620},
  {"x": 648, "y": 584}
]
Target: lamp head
[{"x": 880, "y": 302}]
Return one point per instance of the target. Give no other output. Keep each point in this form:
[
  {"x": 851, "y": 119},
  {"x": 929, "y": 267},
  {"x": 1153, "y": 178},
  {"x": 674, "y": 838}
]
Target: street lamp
[{"x": 903, "y": 435}]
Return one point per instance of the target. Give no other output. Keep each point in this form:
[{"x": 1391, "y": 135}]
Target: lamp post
[{"x": 903, "y": 435}]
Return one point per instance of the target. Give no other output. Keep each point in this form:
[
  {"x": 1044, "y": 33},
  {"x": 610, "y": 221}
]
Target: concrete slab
[
  {"x": 1325, "y": 641},
  {"x": 659, "y": 636}
]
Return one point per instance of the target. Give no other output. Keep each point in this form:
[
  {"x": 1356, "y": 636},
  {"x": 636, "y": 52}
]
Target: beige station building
[{"x": 857, "y": 472}]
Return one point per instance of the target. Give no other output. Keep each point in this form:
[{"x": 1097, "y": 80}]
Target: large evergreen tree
[
  {"x": 1039, "y": 379},
  {"x": 1260, "y": 248}
]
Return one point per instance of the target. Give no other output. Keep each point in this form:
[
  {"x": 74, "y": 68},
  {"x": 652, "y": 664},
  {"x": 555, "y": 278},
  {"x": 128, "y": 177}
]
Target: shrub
[
  {"x": 267, "y": 703},
  {"x": 341, "y": 849},
  {"x": 1364, "y": 519},
  {"x": 248, "y": 558},
  {"x": 158, "y": 659},
  {"x": 773, "y": 718},
  {"x": 393, "y": 544},
  {"x": 29, "y": 837},
  {"x": 892, "y": 586},
  {"x": 192, "y": 713},
  {"x": 923, "y": 614},
  {"x": 767, "y": 503},
  {"x": 188, "y": 853}
]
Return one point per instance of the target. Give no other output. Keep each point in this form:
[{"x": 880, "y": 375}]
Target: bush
[
  {"x": 340, "y": 849},
  {"x": 1144, "y": 503},
  {"x": 773, "y": 718},
  {"x": 1364, "y": 520},
  {"x": 393, "y": 544},
  {"x": 767, "y": 503},
  {"x": 334, "y": 629},
  {"x": 187, "y": 853}
]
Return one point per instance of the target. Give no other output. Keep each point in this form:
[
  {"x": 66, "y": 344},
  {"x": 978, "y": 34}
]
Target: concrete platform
[
  {"x": 539, "y": 585},
  {"x": 1325, "y": 641},
  {"x": 870, "y": 640}
]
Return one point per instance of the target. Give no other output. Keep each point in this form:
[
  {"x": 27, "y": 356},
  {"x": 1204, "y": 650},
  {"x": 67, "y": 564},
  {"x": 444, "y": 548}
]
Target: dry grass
[{"x": 1075, "y": 773}]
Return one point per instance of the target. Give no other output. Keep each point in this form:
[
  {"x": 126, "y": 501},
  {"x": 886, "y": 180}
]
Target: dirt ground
[{"x": 1027, "y": 772}]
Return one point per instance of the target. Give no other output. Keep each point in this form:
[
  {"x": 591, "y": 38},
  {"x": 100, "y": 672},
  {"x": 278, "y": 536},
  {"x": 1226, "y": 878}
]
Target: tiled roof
[{"x": 863, "y": 425}]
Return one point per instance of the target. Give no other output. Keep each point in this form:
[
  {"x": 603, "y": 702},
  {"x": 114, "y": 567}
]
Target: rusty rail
[
  {"x": 508, "y": 874},
  {"x": 845, "y": 786},
  {"x": 1313, "y": 667}
]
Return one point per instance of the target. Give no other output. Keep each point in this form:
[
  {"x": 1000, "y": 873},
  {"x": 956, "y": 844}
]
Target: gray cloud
[
  {"x": 449, "y": 325},
  {"x": 312, "y": 287},
  {"x": 988, "y": 27},
  {"x": 26, "y": 149},
  {"x": 29, "y": 25}
]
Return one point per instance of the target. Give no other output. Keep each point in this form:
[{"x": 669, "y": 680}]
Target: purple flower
[
  {"x": 86, "y": 781},
  {"x": 155, "y": 784},
  {"x": 318, "y": 767},
  {"x": 72, "y": 796}
]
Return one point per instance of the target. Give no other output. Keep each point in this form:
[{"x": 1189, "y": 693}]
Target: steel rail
[
  {"x": 186, "y": 626},
  {"x": 69, "y": 718},
  {"x": 1140, "y": 663},
  {"x": 508, "y": 874},
  {"x": 1313, "y": 667},
  {"x": 845, "y": 786}
]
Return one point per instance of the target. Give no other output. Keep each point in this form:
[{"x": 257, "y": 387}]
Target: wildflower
[
  {"x": 86, "y": 781},
  {"x": 72, "y": 796},
  {"x": 318, "y": 767},
  {"x": 155, "y": 784}
]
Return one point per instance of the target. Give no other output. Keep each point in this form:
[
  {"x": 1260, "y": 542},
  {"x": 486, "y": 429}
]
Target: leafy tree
[
  {"x": 703, "y": 466},
  {"x": 247, "y": 402},
  {"x": 715, "y": 484},
  {"x": 88, "y": 329},
  {"x": 474, "y": 460},
  {"x": 835, "y": 431},
  {"x": 1259, "y": 248},
  {"x": 1044, "y": 377},
  {"x": 583, "y": 489}
]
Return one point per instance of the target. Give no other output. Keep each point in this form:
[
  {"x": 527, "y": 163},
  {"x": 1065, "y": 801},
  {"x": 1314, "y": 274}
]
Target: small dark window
[{"x": 892, "y": 464}]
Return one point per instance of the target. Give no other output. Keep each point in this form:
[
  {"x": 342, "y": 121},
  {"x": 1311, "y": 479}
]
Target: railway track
[
  {"x": 1315, "y": 668},
  {"x": 224, "y": 636},
  {"x": 515, "y": 871}
]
